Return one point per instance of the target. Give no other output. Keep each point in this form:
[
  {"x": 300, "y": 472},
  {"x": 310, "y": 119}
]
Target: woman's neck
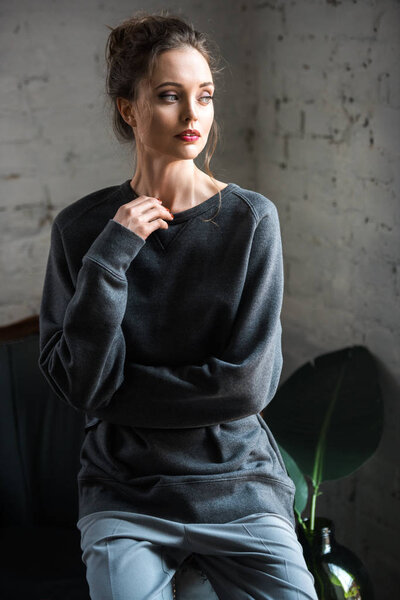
[{"x": 179, "y": 189}]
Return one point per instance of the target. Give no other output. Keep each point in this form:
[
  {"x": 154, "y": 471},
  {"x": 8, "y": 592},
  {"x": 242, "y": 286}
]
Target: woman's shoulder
[
  {"x": 259, "y": 204},
  {"x": 221, "y": 185},
  {"x": 92, "y": 204}
]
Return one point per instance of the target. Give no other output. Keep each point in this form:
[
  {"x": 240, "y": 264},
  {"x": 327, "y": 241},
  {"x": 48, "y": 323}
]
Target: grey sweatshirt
[{"x": 171, "y": 346}]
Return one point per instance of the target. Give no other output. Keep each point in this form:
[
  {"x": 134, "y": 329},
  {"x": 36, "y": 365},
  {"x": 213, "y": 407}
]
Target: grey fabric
[
  {"x": 171, "y": 346},
  {"x": 131, "y": 556}
]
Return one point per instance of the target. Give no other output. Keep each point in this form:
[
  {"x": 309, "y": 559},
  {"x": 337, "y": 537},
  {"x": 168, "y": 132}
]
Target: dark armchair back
[{"x": 40, "y": 439}]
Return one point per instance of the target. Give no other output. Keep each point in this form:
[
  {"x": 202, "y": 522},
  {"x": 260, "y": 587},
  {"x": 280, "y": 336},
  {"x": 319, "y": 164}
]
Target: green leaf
[
  {"x": 301, "y": 495},
  {"x": 328, "y": 414}
]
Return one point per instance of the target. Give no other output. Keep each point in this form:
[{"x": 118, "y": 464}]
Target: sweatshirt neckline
[{"x": 130, "y": 194}]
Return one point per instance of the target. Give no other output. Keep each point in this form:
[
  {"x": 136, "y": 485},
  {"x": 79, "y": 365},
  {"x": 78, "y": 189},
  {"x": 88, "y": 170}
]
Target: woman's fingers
[{"x": 143, "y": 215}]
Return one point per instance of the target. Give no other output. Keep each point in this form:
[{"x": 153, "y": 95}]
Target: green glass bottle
[{"x": 338, "y": 573}]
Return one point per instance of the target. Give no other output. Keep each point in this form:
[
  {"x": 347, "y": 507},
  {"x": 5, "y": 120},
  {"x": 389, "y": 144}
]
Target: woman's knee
[
  {"x": 266, "y": 563},
  {"x": 126, "y": 569}
]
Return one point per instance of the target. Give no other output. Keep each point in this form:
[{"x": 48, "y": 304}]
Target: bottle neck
[{"x": 325, "y": 540}]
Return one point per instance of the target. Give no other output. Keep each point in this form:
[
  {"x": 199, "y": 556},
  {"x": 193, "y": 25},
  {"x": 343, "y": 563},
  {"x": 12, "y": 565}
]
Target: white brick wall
[
  {"x": 328, "y": 155},
  {"x": 310, "y": 117}
]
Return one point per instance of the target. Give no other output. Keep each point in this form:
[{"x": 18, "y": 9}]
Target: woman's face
[{"x": 174, "y": 107}]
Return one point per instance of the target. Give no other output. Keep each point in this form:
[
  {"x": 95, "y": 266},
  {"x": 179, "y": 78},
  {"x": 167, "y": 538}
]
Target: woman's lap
[{"x": 131, "y": 556}]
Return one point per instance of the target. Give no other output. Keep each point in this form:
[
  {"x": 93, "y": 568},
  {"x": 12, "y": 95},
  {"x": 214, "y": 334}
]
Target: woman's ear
[{"x": 125, "y": 109}]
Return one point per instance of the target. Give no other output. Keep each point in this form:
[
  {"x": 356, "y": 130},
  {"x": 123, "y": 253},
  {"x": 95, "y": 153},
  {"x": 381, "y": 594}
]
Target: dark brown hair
[{"x": 131, "y": 52}]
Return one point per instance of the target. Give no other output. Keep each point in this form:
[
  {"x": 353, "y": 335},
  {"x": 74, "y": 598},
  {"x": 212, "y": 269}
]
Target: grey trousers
[{"x": 130, "y": 556}]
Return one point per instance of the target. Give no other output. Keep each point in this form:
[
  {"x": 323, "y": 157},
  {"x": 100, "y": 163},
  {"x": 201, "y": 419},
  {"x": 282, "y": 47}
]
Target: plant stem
[
  {"x": 313, "y": 507},
  {"x": 300, "y": 520},
  {"x": 316, "y": 477}
]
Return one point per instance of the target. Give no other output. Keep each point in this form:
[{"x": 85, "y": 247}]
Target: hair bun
[{"x": 116, "y": 40}]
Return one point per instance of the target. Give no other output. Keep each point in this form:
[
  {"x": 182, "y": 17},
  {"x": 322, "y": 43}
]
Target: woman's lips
[{"x": 187, "y": 138}]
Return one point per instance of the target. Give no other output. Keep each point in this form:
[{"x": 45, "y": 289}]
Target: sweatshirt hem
[
  {"x": 201, "y": 481},
  {"x": 232, "y": 498}
]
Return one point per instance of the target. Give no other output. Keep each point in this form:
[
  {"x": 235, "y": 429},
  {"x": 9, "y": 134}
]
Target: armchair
[{"x": 40, "y": 441}]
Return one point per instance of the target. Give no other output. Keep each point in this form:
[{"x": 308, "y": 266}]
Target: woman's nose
[{"x": 189, "y": 110}]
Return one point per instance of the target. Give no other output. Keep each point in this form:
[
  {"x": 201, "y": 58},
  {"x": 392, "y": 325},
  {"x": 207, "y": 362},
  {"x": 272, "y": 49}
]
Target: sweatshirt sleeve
[
  {"x": 82, "y": 347},
  {"x": 239, "y": 382}
]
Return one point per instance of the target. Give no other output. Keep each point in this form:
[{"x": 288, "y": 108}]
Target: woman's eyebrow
[{"x": 180, "y": 85}]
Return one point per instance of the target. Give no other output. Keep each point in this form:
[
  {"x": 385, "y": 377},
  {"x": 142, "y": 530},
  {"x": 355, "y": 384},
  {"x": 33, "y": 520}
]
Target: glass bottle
[{"x": 338, "y": 572}]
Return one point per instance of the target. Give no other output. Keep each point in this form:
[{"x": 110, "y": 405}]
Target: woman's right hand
[{"x": 143, "y": 215}]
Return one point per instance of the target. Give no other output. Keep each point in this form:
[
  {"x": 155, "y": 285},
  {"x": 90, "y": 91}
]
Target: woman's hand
[{"x": 143, "y": 215}]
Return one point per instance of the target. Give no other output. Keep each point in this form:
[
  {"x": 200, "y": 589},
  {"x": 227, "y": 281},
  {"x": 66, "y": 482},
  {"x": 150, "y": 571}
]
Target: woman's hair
[{"x": 131, "y": 52}]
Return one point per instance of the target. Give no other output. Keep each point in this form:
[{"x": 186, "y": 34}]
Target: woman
[{"x": 160, "y": 320}]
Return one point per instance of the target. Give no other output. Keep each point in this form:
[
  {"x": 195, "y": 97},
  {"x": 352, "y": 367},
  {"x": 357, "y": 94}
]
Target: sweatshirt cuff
[{"x": 115, "y": 247}]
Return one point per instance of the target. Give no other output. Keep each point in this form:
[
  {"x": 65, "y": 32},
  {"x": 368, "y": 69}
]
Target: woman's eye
[
  {"x": 168, "y": 96},
  {"x": 175, "y": 96}
]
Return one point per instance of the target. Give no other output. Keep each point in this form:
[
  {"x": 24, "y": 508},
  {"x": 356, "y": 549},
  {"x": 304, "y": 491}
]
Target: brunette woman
[{"x": 160, "y": 320}]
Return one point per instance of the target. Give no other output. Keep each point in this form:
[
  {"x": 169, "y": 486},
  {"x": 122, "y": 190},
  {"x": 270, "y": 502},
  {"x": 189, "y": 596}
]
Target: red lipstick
[{"x": 189, "y": 135}]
